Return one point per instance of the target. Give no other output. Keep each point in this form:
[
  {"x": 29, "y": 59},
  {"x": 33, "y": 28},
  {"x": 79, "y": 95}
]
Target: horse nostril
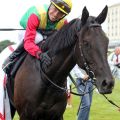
[
  {"x": 107, "y": 84},
  {"x": 104, "y": 83}
]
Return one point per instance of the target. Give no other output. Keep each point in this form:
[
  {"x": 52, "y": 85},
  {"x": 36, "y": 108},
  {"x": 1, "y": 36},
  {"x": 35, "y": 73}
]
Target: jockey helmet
[{"x": 63, "y": 5}]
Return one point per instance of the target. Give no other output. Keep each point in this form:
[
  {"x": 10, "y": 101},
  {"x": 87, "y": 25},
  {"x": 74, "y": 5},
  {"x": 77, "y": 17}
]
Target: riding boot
[{"x": 9, "y": 62}]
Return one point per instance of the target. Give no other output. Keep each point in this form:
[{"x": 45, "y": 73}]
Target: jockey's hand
[{"x": 45, "y": 59}]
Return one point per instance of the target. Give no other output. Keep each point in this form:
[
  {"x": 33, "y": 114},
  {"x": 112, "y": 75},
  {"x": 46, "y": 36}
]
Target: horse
[{"x": 39, "y": 93}]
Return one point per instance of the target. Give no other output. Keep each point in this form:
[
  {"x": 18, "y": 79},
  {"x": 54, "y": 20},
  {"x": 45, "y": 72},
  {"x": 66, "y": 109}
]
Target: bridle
[
  {"x": 90, "y": 72},
  {"x": 62, "y": 88},
  {"x": 86, "y": 66}
]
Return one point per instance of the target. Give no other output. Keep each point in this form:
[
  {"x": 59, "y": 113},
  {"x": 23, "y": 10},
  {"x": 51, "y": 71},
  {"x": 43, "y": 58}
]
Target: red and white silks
[{"x": 4, "y": 100}]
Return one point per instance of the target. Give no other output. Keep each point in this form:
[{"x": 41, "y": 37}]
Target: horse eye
[{"x": 86, "y": 44}]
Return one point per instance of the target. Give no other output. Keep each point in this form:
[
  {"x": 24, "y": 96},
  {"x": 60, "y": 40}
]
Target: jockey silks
[
  {"x": 41, "y": 12},
  {"x": 37, "y": 18}
]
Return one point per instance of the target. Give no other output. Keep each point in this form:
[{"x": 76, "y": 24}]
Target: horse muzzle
[{"x": 105, "y": 86}]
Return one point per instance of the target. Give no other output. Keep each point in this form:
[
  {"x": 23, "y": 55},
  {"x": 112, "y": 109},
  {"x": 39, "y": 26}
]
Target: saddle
[
  {"x": 20, "y": 54},
  {"x": 10, "y": 77}
]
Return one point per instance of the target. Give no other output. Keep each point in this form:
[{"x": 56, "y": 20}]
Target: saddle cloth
[{"x": 4, "y": 100}]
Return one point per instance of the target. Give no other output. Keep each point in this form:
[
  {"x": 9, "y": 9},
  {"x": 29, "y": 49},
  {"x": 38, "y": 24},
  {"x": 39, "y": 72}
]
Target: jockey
[{"x": 36, "y": 18}]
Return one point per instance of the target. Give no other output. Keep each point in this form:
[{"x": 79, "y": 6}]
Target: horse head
[{"x": 91, "y": 49}]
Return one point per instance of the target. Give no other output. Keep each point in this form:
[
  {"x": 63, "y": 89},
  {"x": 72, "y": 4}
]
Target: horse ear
[
  {"x": 102, "y": 16},
  {"x": 85, "y": 15}
]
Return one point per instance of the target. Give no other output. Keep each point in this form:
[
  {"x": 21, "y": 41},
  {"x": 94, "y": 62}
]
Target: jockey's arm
[{"x": 29, "y": 39}]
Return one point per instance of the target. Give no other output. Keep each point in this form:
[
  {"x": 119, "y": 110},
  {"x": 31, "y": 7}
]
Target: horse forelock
[{"x": 63, "y": 38}]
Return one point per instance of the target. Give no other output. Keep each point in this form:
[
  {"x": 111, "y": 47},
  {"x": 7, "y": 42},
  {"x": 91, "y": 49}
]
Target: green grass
[{"x": 101, "y": 109}]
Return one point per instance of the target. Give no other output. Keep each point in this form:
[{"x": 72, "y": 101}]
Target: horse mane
[{"x": 62, "y": 39}]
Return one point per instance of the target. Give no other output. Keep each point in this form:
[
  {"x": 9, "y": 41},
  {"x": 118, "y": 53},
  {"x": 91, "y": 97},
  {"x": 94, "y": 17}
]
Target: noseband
[{"x": 89, "y": 72}]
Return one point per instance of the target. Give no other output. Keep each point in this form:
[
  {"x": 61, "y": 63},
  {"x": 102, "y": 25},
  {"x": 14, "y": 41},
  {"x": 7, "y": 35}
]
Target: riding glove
[{"x": 45, "y": 59}]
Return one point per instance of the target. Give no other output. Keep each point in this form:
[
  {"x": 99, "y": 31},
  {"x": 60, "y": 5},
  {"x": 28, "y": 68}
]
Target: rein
[
  {"x": 61, "y": 88},
  {"x": 91, "y": 73},
  {"x": 110, "y": 101},
  {"x": 65, "y": 89},
  {"x": 92, "y": 76},
  {"x": 77, "y": 86}
]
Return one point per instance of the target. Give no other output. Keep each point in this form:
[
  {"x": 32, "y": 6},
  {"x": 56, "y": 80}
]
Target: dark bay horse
[{"x": 79, "y": 42}]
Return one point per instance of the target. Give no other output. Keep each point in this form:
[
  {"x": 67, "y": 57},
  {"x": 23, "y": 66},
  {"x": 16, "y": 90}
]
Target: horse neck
[
  {"x": 60, "y": 49},
  {"x": 65, "y": 63},
  {"x": 62, "y": 39}
]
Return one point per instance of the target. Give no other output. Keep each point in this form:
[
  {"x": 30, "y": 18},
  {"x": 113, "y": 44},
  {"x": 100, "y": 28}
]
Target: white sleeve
[
  {"x": 78, "y": 72},
  {"x": 111, "y": 59}
]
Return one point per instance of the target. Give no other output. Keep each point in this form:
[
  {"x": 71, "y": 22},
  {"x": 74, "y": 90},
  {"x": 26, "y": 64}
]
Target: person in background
[
  {"x": 84, "y": 85},
  {"x": 115, "y": 58},
  {"x": 35, "y": 21},
  {"x": 114, "y": 62},
  {"x": 69, "y": 95}
]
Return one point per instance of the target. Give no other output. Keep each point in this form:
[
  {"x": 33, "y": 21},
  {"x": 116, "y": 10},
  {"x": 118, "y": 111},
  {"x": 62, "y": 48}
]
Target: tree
[{"x": 4, "y": 44}]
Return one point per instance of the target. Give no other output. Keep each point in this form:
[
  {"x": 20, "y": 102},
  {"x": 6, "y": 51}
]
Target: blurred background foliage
[{"x": 4, "y": 44}]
